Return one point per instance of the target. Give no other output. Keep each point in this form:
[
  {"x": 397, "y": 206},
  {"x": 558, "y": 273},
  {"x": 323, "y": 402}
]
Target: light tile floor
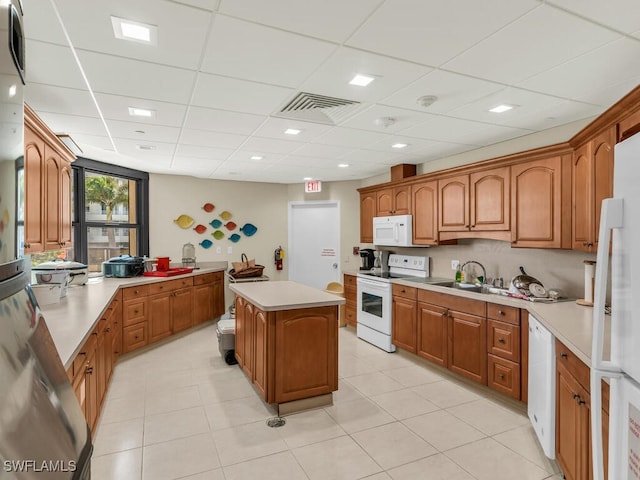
[{"x": 178, "y": 411}]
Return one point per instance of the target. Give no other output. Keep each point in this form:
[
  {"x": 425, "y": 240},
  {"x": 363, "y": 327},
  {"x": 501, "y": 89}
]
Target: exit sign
[{"x": 312, "y": 186}]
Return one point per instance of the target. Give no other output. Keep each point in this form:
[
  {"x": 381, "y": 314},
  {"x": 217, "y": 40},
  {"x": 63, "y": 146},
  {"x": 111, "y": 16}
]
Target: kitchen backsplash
[{"x": 562, "y": 269}]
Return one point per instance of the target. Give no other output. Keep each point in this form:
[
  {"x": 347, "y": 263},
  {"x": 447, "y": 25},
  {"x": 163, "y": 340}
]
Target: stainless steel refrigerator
[{"x": 43, "y": 433}]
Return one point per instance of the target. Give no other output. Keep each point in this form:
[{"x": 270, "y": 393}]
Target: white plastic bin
[{"x": 226, "y": 332}]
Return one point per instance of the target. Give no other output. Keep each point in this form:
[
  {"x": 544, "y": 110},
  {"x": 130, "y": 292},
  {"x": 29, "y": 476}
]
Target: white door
[{"x": 314, "y": 243}]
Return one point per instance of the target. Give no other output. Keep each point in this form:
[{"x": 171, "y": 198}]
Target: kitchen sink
[{"x": 467, "y": 287}]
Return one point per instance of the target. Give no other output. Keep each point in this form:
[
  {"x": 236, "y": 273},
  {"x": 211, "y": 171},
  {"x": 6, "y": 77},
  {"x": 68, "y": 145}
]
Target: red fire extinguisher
[{"x": 278, "y": 256}]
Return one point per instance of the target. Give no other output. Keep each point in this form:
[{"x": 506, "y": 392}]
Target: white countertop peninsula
[
  {"x": 71, "y": 320},
  {"x": 284, "y": 295}
]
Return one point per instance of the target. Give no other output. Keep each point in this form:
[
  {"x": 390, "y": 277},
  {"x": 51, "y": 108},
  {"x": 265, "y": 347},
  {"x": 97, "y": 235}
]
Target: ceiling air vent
[{"x": 311, "y": 107}]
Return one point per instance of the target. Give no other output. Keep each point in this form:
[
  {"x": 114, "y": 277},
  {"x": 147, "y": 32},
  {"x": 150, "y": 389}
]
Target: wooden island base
[{"x": 288, "y": 350}]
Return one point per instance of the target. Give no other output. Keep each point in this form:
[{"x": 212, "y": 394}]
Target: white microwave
[{"x": 394, "y": 231}]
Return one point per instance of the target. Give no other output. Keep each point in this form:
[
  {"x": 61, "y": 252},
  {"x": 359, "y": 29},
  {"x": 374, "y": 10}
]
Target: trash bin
[
  {"x": 338, "y": 289},
  {"x": 226, "y": 332}
]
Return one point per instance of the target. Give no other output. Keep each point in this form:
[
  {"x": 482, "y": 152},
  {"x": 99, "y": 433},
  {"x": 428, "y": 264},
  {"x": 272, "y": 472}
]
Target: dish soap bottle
[{"x": 459, "y": 275}]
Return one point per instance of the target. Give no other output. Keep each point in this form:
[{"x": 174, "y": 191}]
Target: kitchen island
[{"x": 287, "y": 342}]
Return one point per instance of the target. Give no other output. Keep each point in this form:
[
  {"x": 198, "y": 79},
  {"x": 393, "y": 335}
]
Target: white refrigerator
[{"x": 620, "y": 220}]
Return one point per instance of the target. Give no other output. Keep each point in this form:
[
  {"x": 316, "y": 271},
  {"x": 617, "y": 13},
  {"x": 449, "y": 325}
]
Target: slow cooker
[
  {"x": 123, "y": 266},
  {"x": 78, "y": 272}
]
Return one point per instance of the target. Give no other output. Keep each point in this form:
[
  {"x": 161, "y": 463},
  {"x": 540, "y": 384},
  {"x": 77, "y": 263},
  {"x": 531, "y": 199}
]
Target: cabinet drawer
[
  {"x": 405, "y": 292},
  {"x": 504, "y": 376},
  {"x": 134, "y": 292},
  {"x": 350, "y": 281},
  {"x": 573, "y": 364},
  {"x": 351, "y": 296},
  {"x": 170, "y": 285},
  {"x": 503, "y": 313},
  {"x": 350, "y": 314},
  {"x": 135, "y": 311},
  {"x": 206, "y": 278},
  {"x": 453, "y": 302},
  {"x": 134, "y": 337},
  {"x": 503, "y": 340}
]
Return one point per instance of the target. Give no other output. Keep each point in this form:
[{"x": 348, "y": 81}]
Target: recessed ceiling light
[
  {"x": 399, "y": 145},
  {"x": 501, "y": 108},
  {"x": 306, "y": 179},
  {"x": 426, "y": 100},
  {"x": 292, "y": 131},
  {"x": 12, "y": 91},
  {"x": 384, "y": 122},
  {"x": 134, "y": 31},
  {"x": 361, "y": 80},
  {"x": 145, "y": 147},
  {"x": 141, "y": 132},
  {"x": 343, "y": 165},
  {"x": 141, "y": 112},
  {"x": 256, "y": 157}
]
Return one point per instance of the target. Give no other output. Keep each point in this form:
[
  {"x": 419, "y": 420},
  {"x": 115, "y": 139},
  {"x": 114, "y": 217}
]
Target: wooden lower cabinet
[
  {"x": 504, "y": 376},
  {"x": 573, "y": 416},
  {"x": 159, "y": 316},
  {"x": 467, "y": 346},
  {"x": 404, "y": 314},
  {"x": 432, "y": 333},
  {"x": 288, "y": 355},
  {"x": 181, "y": 314},
  {"x": 208, "y": 297},
  {"x": 351, "y": 297}
]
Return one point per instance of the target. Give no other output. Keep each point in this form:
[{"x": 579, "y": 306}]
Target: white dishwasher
[{"x": 541, "y": 405}]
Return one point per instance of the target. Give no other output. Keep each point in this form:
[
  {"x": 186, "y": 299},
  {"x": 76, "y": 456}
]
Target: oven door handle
[{"x": 372, "y": 283}]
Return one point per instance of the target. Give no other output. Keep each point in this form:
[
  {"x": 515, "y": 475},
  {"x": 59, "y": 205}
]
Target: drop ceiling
[{"x": 223, "y": 69}]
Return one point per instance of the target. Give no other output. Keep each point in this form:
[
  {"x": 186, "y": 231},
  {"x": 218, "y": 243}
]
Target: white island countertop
[{"x": 284, "y": 295}]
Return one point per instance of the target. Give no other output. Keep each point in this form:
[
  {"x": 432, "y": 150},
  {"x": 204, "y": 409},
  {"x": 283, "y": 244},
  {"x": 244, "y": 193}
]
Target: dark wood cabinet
[
  {"x": 432, "y": 333},
  {"x": 159, "y": 316},
  {"x": 490, "y": 199},
  {"x": 208, "y": 298},
  {"x": 467, "y": 346},
  {"x": 404, "y": 314},
  {"x": 351, "y": 297},
  {"x": 393, "y": 201},
  {"x": 181, "y": 315},
  {"x": 453, "y": 204}
]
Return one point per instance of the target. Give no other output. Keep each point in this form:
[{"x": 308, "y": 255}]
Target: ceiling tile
[
  {"x": 594, "y": 77},
  {"x": 414, "y": 145},
  {"x": 143, "y": 132},
  {"x": 322, "y": 151},
  {"x": 211, "y": 139},
  {"x": 349, "y": 137},
  {"x": 243, "y": 155},
  {"x": 254, "y": 52},
  {"x": 66, "y": 101},
  {"x": 222, "y": 120},
  {"x": 271, "y": 145},
  {"x": 333, "y": 20},
  {"x": 275, "y": 128},
  {"x": 559, "y": 114},
  {"x": 214, "y": 91},
  {"x": 179, "y": 43},
  {"x": 73, "y": 124},
  {"x": 205, "y": 166},
  {"x": 116, "y": 107},
  {"x": 198, "y": 151},
  {"x": 50, "y": 64},
  {"x": 333, "y": 77},
  {"x": 424, "y": 31},
  {"x": 92, "y": 143},
  {"x": 42, "y": 24},
  {"x": 132, "y": 78},
  {"x": 453, "y": 90},
  {"x": 501, "y": 57},
  {"x": 623, "y": 15},
  {"x": 373, "y": 119},
  {"x": 210, "y": 5},
  {"x": 132, "y": 148},
  {"x": 371, "y": 157}
]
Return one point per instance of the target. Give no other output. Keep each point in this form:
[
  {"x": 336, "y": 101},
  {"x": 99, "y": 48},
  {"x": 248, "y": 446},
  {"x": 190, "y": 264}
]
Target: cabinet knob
[
  {"x": 500, "y": 312},
  {"x": 584, "y": 243},
  {"x": 579, "y": 401},
  {"x": 135, "y": 311},
  {"x": 501, "y": 340},
  {"x": 564, "y": 355},
  {"x": 589, "y": 244},
  {"x": 27, "y": 245},
  {"x": 107, "y": 330},
  {"x": 501, "y": 376},
  {"x": 89, "y": 370}
]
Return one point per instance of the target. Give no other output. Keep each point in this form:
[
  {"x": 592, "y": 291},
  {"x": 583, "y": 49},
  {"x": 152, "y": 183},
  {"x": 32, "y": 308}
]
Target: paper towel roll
[{"x": 589, "y": 278}]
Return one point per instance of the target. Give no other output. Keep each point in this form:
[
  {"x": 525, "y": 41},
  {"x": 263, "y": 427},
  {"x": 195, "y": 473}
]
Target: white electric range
[{"x": 375, "y": 297}]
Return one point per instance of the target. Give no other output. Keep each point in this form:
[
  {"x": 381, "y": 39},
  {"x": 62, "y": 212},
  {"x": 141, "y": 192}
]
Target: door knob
[{"x": 335, "y": 266}]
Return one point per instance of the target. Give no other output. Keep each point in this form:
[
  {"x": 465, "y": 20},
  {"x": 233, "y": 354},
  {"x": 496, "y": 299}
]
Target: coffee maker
[{"x": 368, "y": 258}]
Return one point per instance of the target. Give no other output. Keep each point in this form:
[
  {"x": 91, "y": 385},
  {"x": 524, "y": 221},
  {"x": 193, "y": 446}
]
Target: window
[{"x": 114, "y": 205}]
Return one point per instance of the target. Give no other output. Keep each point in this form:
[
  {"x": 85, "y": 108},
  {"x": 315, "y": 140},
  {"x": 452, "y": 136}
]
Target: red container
[{"x": 163, "y": 263}]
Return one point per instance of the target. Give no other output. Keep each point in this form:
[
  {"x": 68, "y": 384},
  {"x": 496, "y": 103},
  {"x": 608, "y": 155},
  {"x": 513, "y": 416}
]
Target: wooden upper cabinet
[
  {"x": 540, "y": 208},
  {"x": 47, "y": 173},
  {"x": 592, "y": 182},
  {"x": 490, "y": 199},
  {"x": 424, "y": 198},
  {"x": 393, "y": 201},
  {"x": 453, "y": 202},
  {"x": 367, "y": 212}
]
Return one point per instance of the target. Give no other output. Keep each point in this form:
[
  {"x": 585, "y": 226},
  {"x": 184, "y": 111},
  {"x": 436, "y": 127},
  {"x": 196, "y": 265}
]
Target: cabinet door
[
  {"x": 52, "y": 175},
  {"x": 159, "y": 316},
  {"x": 240, "y": 331},
  {"x": 218, "y": 305},
  {"x": 261, "y": 370},
  {"x": 538, "y": 219},
  {"x": 249, "y": 322},
  {"x": 181, "y": 316},
  {"x": 424, "y": 197},
  {"x": 603, "y": 146},
  {"x": 34, "y": 196},
  {"x": 91, "y": 388},
  {"x": 367, "y": 212},
  {"x": 490, "y": 199},
  {"x": 402, "y": 200},
  {"x": 404, "y": 323},
  {"x": 468, "y": 346},
  {"x": 203, "y": 303},
  {"x": 384, "y": 202},
  {"x": 66, "y": 230},
  {"x": 583, "y": 215},
  {"x": 432, "y": 333},
  {"x": 453, "y": 203},
  {"x": 134, "y": 336},
  {"x": 572, "y": 425},
  {"x": 101, "y": 363}
]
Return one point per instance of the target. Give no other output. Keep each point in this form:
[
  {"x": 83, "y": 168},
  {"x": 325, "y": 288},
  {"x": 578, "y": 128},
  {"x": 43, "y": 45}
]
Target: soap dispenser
[{"x": 459, "y": 275}]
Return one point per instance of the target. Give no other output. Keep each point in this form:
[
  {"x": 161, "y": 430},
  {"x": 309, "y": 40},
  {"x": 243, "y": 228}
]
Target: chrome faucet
[{"x": 484, "y": 271}]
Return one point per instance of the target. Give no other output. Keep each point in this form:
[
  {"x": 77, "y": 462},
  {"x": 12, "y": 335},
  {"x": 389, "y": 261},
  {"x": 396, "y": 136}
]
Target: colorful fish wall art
[
  {"x": 200, "y": 229},
  {"x": 235, "y": 238},
  {"x": 215, "y": 223},
  {"x": 218, "y": 234},
  {"x": 230, "y": 226},
  {"x": 206, "y": 243},
  {"x": 226, "y": 215},
  {"x": 208, "y": 207},
  {"x": 184, "y": 221},
  {"x": 249, "y": 229}
]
